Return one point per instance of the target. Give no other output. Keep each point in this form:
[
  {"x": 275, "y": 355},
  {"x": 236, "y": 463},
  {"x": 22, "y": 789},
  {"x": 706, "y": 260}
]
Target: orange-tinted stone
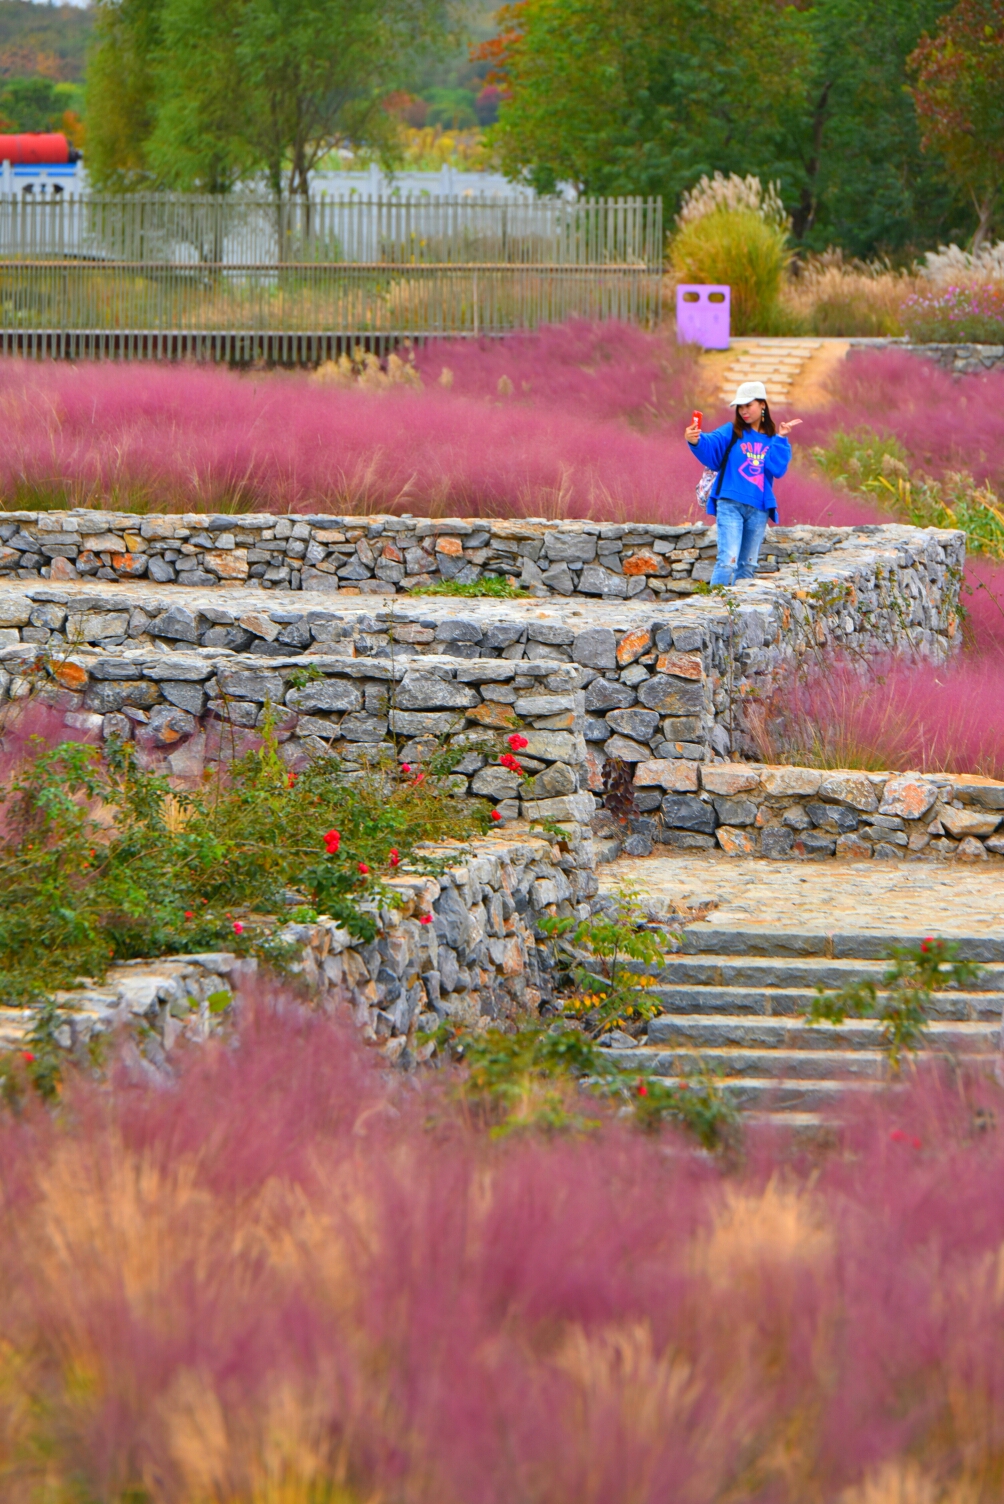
[
  {"x": 632, "y": 645},
  {"x": 128, "y": 564},
  {"x": 70, "y": 675},
  {"x": 682, "y": 665},
  {"x": 394, "y": 554},
  {"x": 492, "y": 713},
  {"x": 643, "y": 564},
  {"x": 734, "y": 842},
  {"x": 225, "y": 562},
  {"x": 449, "y": 545}
]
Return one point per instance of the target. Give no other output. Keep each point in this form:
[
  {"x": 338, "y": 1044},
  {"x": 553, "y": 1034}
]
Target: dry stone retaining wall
[
  {"x": 382, "y": 555},
  {"x": 476, "y": 957},
  {"x": 750, "y": 809},
  {"x": 658, "y": 678}
]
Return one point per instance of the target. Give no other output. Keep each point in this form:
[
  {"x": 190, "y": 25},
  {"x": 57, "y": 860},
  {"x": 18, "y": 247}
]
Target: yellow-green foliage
[{"x": 741, "y": 249}]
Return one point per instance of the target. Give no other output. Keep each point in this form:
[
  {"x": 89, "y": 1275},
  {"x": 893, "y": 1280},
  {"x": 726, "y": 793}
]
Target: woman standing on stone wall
[{"x": 741, "y": 461}]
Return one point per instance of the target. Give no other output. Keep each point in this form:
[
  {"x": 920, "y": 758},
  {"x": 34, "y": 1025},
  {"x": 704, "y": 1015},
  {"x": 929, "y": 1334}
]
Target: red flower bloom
[
  {"x": 425, "y": 919},
  {"x": 406, "y": 767},
  {"x": 189, "y": 914},
  {"x": 642, "y": 1089},
  {"x": 394, "y": 858},
  {"x": 238, "y": 927},
  {"x": 290, "y": 780},
  {"x": 925, "y": 945},
  {"x": 363, "y": 868},
  {"x": 28, "y": 1056},
  {"x": 418, "y": 778},
  {"x": 496, "y": 815},
  {"x": 512, "y": 763},
  {"x": 517, "y": 742},
  {"x": 332, "y": 841}
]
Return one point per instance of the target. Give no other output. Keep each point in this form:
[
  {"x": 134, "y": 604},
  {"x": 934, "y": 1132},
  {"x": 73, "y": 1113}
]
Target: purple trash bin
[{"x": 702, "y": 315}]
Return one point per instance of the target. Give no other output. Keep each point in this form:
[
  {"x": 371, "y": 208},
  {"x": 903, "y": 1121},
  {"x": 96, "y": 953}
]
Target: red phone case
[{"x": 696, "y": 418}]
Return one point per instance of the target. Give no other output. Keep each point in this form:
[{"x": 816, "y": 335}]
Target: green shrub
[
  {"x": 101, "y": 861},
  {"x": 744, "y": 251}
]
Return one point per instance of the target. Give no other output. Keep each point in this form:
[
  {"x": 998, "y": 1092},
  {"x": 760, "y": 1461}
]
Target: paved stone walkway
[{"x": 895, "y": 898}]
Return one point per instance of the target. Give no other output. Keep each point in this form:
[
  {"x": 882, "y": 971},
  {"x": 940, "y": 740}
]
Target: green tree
[
  {"x": 646, "y": 95},
  {"x": 202, "y": 93},
  {"x": 959, "y": 95},
  {"x": 120, "y": 92}
]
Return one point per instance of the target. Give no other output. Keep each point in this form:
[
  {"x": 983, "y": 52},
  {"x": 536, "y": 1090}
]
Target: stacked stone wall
[
  {"x": 633, "y": 679},
  {"x": 475, "y": 956},
  {"x": 783, "y": 813}
]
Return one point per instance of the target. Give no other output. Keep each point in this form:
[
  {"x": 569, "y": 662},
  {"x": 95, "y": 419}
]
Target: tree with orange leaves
[{"x": 959, "y": 94}]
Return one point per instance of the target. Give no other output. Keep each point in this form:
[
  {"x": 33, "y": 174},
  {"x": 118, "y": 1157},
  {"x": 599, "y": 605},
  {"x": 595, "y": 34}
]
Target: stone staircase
[
  {"x": 733, "y": 1003},
  {"x": 775, "y": 362}
]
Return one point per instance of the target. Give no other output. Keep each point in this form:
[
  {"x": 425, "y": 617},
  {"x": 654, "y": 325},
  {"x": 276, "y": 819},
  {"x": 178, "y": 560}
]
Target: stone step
[
  {"x": 849, "y": 944},
  {"x": 744, "y": 1032},
  {"x": 787, "y": 972},
  {"x": 788, "y": 1002},
  {"x": 770, "y": 1064}
]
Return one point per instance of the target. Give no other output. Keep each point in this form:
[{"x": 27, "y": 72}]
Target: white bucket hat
[{"x": 747, "y": 392}]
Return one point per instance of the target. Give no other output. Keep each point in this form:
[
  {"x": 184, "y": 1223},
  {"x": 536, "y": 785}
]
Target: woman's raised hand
[
  {"x": 692, "y": 433},
  {"x": 784, "y": 429}
]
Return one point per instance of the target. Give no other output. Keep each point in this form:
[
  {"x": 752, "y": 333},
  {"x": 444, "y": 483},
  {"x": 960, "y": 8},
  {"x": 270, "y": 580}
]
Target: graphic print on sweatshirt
[{"x": 752, "y": 467}]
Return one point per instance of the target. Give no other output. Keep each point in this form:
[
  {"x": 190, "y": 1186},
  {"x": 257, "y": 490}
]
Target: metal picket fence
[{"x": 249, "y": 277}]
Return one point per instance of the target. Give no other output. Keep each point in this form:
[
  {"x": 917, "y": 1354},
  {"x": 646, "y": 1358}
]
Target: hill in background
[{"x": 43, "y": 41}]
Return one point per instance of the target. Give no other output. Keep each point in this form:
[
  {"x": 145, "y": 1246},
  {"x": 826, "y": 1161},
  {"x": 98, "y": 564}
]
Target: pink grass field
[
  {"x": 284, "y": 1275},
  {"x": 592, "y": 428}
]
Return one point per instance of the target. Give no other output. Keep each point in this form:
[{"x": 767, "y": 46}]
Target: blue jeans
[{"x": 740, "y": 533}]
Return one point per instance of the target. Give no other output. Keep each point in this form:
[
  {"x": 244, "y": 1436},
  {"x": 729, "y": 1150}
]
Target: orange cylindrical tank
[{"x": 38, "y": 149}]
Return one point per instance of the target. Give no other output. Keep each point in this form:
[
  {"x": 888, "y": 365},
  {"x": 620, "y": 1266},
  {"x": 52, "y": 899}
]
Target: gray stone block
[
  {"x": 177, "y": 622},
  {"x": 609, "y": 694},
  {"x": 685, "y": 812},
  {"x": 245, "y": 684},
  {"x": 363, "y": 728},
  {"x": 577, "y": 548},
  {"x": 671, "y": 696},
  {"x": 425, "y": 722},
  {"x": 458, "y": 629},
  {"x": 160, "y": 571},
  {"x": 102, "y": 697},
  {"x": 184, "y": 694},
  {"x": 642, "y": 725},
  {"x": 596, "y": 648},
  {"x": 559, "y": 578},
  {"x": 595, "y": 580},
  {"x": 430, "y": 692},
  {"x": 493, "y": 782},
  {"x": 835, "y": 817},
  {"x": 735, "y": 811},
  {"x": 326, "y": 694},
  {"x": 776, "y": 842}
]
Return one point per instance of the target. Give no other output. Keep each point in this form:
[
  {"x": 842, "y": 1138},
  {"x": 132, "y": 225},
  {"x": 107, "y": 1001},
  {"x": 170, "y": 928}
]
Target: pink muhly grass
[
  {"x": 285, "y": 1259},
  {"x": 902, "y": 715},
  {"x": 601, "y": 439},
  {"x": 945, "y": 422}
]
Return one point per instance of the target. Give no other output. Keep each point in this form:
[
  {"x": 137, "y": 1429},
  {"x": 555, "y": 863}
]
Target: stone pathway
[{"x": 895, "y": 899}]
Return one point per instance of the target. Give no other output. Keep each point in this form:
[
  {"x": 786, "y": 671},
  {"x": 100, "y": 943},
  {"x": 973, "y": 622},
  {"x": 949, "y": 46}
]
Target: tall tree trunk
[
  {"x": 985, "y": 211},
  {"x": 804, "y": 216}
]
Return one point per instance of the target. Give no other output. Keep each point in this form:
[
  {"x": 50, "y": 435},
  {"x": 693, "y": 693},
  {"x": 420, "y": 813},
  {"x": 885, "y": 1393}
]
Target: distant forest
[{"x": 43, "y": 41}]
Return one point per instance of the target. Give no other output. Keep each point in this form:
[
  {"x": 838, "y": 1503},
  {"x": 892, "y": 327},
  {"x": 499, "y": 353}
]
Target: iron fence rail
[{"x": 372, "y": 269}]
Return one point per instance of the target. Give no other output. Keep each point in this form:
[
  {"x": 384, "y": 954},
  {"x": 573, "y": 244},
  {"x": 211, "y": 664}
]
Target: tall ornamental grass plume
[
  {"x": 572, "y": 422},
  {"x": 944, "y": 422},
  {"x": 283, "y": 1274},
  {"x": 901, "y": 715}
]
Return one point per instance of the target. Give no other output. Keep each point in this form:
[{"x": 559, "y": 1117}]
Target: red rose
[
  {"x": 496, "y": 815},
  {"x": 363, "y": 868}
]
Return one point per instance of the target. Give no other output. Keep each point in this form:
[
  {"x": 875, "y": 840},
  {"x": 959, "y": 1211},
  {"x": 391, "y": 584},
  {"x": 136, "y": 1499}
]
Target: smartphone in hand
[{"x": 695, "y": 419}]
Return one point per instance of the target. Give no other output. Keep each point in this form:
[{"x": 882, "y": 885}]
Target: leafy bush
[
  {"x": 743, "y": 250},
  {"x": 913, "y": 976},
  {"x": 967, "y": 313},
  {"x": 101, "y": 861},
  {"x": 877, "y": 465},
  {"x": 494, "y": 587}
]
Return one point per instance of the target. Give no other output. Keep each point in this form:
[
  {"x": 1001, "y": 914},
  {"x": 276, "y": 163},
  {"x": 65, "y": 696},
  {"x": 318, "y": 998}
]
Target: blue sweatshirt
[{"x": 755, "y": 461}]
